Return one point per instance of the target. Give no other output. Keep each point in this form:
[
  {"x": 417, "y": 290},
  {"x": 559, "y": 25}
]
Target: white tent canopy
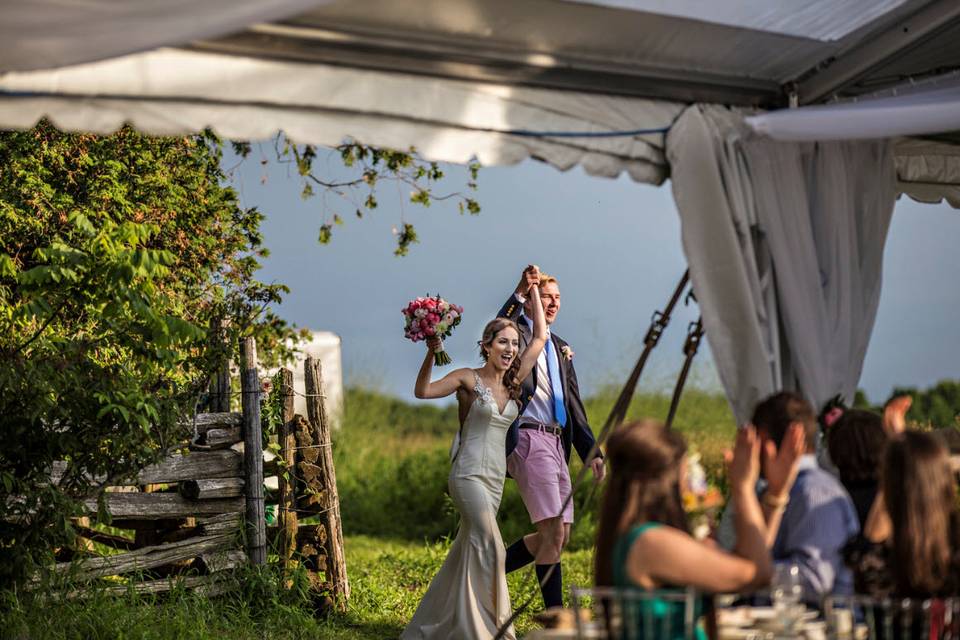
[{"x": 596, "y": 83}]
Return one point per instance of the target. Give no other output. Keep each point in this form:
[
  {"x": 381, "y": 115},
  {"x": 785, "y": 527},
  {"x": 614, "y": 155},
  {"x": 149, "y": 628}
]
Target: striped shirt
[{"x": 818, "y": 521}]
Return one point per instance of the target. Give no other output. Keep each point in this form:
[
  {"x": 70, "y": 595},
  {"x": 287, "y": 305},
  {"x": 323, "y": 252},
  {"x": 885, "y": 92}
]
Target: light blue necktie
[{"x": 553, "y": 371}]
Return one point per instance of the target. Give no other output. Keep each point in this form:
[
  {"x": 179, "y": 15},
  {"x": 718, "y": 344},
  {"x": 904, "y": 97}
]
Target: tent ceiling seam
[{"x": 847, "y": 67}]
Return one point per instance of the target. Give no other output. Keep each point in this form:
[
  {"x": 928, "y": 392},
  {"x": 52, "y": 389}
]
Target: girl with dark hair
[
  {"x": 856, "y": 442},
  {"x": 643, "y": 541},
  {"x": 910, "y": 546},
  {"x": 468, "y": 597}
]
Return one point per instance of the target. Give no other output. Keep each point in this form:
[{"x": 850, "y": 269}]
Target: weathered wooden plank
[
  {"x": 336, "y": 563},
  {"x": 252, "y": 452},
  {"x": 145, "y": 558},
  {"x": 207, "y": 421},
  {"x": 210, "y": 489},
  {"x": 196, "y": 465},
  {"x": 220, "y": 560},
  {"x": 209, "y": 585},
  {"x": 153, "y": 506},
  {"x": 223, "y": 523},
  {"x": 288, "y": 498},
  {"x": 221, "y": 438}
]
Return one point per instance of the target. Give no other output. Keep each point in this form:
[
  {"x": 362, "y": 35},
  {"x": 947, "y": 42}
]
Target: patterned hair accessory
[{"x": 830, "y": 417}]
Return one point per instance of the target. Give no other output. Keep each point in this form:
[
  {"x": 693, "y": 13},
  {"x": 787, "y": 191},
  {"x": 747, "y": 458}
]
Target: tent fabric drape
[
  {"x": 169, "y": 92},
  {"x": 785, "y": 246},
  {"x": 43, "y": 34},
  {"x": 928, "y": 171}
]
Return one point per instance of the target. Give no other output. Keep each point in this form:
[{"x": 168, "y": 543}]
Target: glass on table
[{"x": 786, "y": 592}]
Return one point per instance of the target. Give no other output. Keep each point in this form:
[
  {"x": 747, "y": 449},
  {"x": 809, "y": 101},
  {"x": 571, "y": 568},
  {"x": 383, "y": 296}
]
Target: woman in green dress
[{"x": 643, "y": 540}]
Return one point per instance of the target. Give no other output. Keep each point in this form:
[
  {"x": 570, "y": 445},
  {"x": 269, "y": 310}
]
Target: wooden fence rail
[{"x": 194, "y": 510}]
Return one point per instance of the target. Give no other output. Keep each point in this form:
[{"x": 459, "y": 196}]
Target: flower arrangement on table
[
  {"x": 430, "y": 317},
  {"x": 701, "y": 501}
]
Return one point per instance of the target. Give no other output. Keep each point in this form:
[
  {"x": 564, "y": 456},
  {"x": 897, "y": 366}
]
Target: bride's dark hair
[{"x": 490, "y": 333}]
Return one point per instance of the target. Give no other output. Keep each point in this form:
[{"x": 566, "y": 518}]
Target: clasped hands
[{"x": 529, "y": 279}]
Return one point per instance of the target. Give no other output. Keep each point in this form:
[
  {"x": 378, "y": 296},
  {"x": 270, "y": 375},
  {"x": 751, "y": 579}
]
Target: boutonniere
[{"x": 567, "y": 352}]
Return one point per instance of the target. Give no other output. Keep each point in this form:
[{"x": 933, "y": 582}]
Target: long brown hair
[
  {"x": 644, "y": 486},
  {"x": 921, "y": 499},
  {"x": 490, "y": 333}
]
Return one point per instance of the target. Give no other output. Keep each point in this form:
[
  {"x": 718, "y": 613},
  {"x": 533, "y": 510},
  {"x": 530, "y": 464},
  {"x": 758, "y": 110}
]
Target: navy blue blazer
[{"x": 576, "y": 433}]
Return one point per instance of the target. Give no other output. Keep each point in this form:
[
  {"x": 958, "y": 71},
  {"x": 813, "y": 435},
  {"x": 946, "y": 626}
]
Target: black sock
[
  {"x": 553, "y": 589},
  {"x": 518, "y": 556}
]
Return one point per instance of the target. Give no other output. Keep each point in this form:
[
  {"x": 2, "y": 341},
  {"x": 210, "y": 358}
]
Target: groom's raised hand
[{"x": 528, "y": 279}]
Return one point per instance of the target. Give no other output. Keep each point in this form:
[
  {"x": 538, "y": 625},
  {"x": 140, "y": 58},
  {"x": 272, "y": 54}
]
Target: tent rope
[{"x": 690, "y": 347}]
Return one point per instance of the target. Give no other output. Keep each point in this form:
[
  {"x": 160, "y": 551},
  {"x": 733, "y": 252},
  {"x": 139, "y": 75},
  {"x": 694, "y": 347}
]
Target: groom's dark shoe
[
  {"x": 552, "y": 589},
  {"x": 518, "y": 556}
]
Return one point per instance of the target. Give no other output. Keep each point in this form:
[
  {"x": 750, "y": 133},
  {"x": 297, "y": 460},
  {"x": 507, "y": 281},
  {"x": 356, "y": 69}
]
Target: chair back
[
  {"x": 864, "y": 617},
  {"x": 635, "y": 614}
]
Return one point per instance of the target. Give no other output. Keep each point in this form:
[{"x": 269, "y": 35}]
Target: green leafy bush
[{"x": 116, "y": 254}]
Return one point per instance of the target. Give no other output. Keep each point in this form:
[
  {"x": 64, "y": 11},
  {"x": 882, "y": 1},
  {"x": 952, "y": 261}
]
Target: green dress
[{"x": 654, "y": 618}]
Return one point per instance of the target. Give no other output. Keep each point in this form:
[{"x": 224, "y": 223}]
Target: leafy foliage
[
  {"x": 371, "y": 166},
  {"x": 938, "y": 406},
  {"x": 117, "y": 253}
]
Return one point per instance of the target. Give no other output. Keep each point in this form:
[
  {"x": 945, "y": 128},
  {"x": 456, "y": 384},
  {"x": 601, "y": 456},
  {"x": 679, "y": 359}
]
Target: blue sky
[{"x": 614, "y": 245}]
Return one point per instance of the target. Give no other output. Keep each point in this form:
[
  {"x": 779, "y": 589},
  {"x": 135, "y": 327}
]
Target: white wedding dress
[{"x": 468, "y": 599}]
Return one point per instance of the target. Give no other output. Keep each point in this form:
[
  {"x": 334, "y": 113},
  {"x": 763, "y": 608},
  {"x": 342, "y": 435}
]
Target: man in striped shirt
[{"x": 819, "y": 515}]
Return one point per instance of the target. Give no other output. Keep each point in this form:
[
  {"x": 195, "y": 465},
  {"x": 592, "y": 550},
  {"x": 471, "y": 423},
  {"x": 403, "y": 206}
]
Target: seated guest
[
  {"x": 910, "y": 546},
  {"x": 819, "y": 516},
  {"x": 856, "y": 442},
  {"x": 643, "y": 539}
]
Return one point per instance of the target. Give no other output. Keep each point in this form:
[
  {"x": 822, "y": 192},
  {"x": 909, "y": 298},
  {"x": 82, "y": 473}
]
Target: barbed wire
[{"x": 261, "y": 392}]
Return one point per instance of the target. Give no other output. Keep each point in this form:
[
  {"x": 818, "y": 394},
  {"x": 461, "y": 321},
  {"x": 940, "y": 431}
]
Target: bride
[{"x": 468, "y": 598}]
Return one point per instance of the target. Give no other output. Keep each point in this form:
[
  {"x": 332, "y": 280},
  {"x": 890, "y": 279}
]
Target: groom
[{"x": 552, "y": 420}]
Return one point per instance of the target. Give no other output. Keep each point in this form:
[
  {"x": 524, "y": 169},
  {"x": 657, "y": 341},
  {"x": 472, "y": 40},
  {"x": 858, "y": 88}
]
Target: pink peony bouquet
[{"x": 429, "y": 317}]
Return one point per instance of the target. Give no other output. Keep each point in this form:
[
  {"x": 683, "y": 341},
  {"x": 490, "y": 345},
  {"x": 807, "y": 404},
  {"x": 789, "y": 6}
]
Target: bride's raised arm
[
  {"x": 528, "y": 359},
  {"x": 448, "y": 384}
]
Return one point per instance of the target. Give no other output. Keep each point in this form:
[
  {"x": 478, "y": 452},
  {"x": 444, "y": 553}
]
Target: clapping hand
[
  {"x": 895, "y": 415},
  {"x": 743, "y": 463},
  {"x": 781, "y": 464}
]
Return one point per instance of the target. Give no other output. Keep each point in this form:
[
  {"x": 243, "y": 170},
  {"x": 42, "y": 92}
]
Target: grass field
[{"x": 391, "y": 460}]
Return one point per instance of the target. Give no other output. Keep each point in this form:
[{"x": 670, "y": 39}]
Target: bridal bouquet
[{"x": 429, "y": 317}]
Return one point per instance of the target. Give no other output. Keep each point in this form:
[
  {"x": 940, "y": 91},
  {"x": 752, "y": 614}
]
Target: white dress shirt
[{"x": 540, "y": 407}]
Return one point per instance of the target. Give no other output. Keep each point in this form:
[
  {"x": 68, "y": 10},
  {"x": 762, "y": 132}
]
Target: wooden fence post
[
  {"x": 287, "y": 508},
  {"x": 252, "y": 452},
  {"x": 336, "y": 565},
  {"x": 220, "y": 384}
]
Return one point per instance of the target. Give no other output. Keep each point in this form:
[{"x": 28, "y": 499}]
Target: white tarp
[
  {"x": 43, "y": 34},
  {"x": 177, "y": 92},
  {"x": 785, "y": 247},
  {"x": 820, "y": 19}
]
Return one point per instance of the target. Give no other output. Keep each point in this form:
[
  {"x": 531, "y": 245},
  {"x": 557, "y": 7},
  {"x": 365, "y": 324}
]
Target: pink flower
[
  {"x": 430, "y": 331},
  {"x": 430, "y": 303}
]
